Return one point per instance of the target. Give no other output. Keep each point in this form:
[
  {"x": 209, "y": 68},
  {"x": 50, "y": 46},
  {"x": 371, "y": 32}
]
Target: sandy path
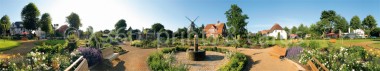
[
  {"x": 23, "y": 49},
  {"x": 134, "y": 60},
  {"x": 260, "y": 60}
]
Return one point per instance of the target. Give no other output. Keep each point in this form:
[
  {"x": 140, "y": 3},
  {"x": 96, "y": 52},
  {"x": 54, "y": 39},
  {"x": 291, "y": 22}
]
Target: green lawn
[
  {"x": 8, "y": 44},
  {"x": 324, "y": 43}
]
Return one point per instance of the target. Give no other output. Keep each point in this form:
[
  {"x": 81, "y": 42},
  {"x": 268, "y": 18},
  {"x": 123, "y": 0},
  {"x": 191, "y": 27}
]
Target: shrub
[
  {"x": 216, "y": 49},
  {"x": 119, "y": 50},
  {"x": 175, "y": 49},
  {"x": 236, "y": 63},
  {"x": 314, "y": 44},
  {"x": 73, "y": 42},
  {"x": 92, "y": 55},
  {"x": 137, "y": 43},
  {"x": 293, "y": 52},
  {"x": 36, "y": 61},
  {"x": 157, "y": 62},
  {"x": 52, "y": 42},
  {"x": 50, "y": 48}
]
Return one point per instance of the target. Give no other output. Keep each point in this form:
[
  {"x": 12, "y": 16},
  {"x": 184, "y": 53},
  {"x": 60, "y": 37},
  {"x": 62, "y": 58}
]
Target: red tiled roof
[
  {"x": 63, "y": 28},
  {"x": 218, "y": 27},
  {"x": 274, "y": 27}
]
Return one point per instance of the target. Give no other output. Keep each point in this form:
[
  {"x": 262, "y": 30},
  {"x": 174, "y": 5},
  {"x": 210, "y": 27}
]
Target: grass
[
  {"x": 375, "y": 45},
  {"x": 324, "y": 43},
  {"x": 8, "y": 44}
]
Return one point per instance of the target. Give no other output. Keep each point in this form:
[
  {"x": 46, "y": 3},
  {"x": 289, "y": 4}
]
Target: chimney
[{"x": 218, "y": 22}]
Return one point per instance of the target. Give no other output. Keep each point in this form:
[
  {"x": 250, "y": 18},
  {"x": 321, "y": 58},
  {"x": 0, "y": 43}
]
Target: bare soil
[{"x": 133, "y": 60}]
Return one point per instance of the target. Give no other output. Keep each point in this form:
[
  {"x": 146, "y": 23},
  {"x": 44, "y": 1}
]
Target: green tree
[
  {"x": 294, "y": 30},
  {"x": 375, "y": 32},
  {"x": 46, "y": 24},
  {"x": 320, "y": 27},
  {"x": 341, "y": 24},
  {"x": 29, "y": 16},
  {"x": 330, "y": 16},
  {"x": 302, "y": 30},
  {"x": 74, "y": 20},
  {"x": 89, "y": 31},
  {"x": 355, "y": 22},
  {"x": 287, "y": 29},
  {"x": 5, "y": 24},
  {"x": 157, "y": 27},
  {"x": 120, "y": 26},
  {"x": 236, "y": 20},
  {"x": 369, "y": 23}
]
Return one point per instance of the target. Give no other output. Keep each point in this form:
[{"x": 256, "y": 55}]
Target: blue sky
[{"x": 262, "y": 14}]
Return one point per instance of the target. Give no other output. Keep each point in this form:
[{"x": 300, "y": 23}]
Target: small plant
[
  {"x": 137, "y": 43},
  {"x": 236, "y": 63}
]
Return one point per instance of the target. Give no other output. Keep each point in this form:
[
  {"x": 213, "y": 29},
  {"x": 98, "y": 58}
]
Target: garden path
[
  {"x": 134, "y": 60},
  {"x": 260, "y": 60},
  {"x": 23, "y": 49}
]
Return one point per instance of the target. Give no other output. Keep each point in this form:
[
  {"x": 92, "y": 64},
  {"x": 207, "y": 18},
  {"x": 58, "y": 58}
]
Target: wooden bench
[
  {"x": 83, "y": 65},
  {"x": 109, "y": 55},
  {"x": 313, "y": 67},
  {"x": 278, "y": 52}
]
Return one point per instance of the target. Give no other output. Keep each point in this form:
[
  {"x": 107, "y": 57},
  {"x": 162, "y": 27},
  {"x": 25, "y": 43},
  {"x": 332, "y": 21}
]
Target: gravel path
[
  {"x": 23, "y": 49},
  {"x": 134, "y": 60},
  {"x": 213, "y": 61},
  {"x": 260, "y": 60}
]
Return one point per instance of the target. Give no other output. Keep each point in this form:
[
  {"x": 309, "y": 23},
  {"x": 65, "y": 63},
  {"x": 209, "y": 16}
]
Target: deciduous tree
[
  {"x": 46, "y": 24},
  {"x": 120, "y": 26},
  {"x": 157, "y": 27},
  {"x": 355, "y": 23},
  {"x": 5, "y": 24},
  {"x": 29, "y": 16},
  {"x": 74, "y": 20},
  {"x": 236, "y": 20}
]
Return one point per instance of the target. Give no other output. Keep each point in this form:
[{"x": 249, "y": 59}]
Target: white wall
[{"x": 283, "y": 34}]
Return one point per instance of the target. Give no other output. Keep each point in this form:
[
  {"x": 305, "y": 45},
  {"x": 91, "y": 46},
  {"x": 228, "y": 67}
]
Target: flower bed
[
  {"x": 158, "y": 62},
  {"x": 343, "y": 59},
  {"x": 36, "y": 61},
  {"x": 236, "y": 63}
]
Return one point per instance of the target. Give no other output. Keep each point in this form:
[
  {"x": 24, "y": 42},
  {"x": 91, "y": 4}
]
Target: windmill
[{"x": 192, "y": 24}]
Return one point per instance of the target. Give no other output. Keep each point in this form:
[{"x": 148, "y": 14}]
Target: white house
[
  {"x": 359, "y": 33},
  {"x": 17, "y": 29},
  {"x": 276, "y": 31}
]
